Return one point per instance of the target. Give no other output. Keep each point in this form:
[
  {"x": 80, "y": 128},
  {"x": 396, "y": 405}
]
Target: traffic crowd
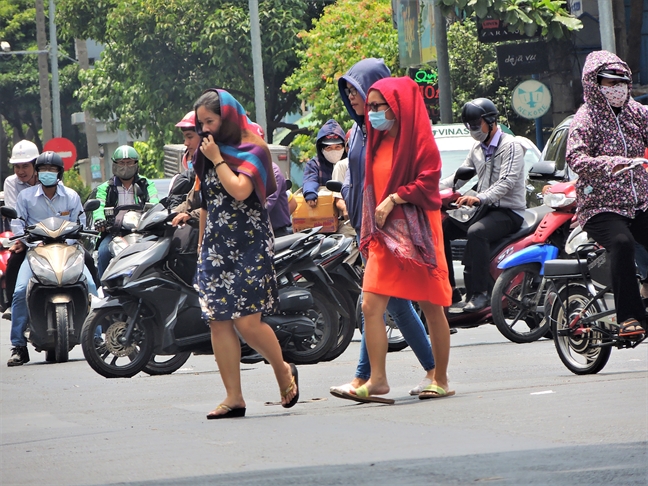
[{"x": 390, "y": 168}]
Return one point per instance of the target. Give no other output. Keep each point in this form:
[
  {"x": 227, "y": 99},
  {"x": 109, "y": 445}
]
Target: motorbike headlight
[
  {"x": 126, "y": 272},
  {"x": 557, "y": 200},
  {"x": 42, "y": 270},
  {"x": 73, "y": 269},
  {"x": 573, "y": 243},
  {"x": 131, "y": 220}
]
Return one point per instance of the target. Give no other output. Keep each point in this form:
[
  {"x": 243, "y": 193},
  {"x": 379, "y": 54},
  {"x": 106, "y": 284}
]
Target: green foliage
[
  {"x": 347, "y": 32},
  {"x": 151, "y": 163},
  {"x": 550, "y": 16},
  {"x": 72, "y": 179},
  {"x": 161, "y": 54}
]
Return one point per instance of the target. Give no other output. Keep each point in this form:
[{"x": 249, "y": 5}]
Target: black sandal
[
  {"x": 294, "y": 383},
  {"x": 229, "y": 412},
  {"x": 631, "y": 327}
]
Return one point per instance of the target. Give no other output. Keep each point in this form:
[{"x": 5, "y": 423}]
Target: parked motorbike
[
  {"x": 580, "y": 307},
  {"x": 151, "y": 306},
  {"x": 519, "y": 292},
  {"x": 57, "y": 295}
]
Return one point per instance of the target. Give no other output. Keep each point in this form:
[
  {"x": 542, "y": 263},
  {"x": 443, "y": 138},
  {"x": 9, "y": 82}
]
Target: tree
[
  {"x": 19, "y": 88},
  {"x": 161, "y": 54},
  {"x": 550, "y": 16}
]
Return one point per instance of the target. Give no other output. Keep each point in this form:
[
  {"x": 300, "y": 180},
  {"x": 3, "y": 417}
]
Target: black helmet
[
  {"x": 479, "y": 108},
  {"x": 51, "y": 158}
]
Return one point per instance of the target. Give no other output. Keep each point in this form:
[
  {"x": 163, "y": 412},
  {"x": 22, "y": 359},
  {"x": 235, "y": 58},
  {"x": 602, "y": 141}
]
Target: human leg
[
  {"x": 11, "y": 274},
  {"x": 373, "y": 308},
  {"x": 440, "y": 340},
  {"x": 227, "y": 351},
  {"x": 639, "y": 230},
  {"x": 451, "y": 232},
  {"x": 612, "y": 231},
  {"x": 413, "y": 331},
  {"x": 103, "y": 255},
  {"x": 20, "y": 317},
  {"x": 263, "y": 340}
]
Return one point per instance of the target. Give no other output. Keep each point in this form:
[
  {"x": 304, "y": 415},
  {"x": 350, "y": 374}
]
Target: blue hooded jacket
[
  {"x": 318, "y": 170},
  {"x": 361, "y": 76}
]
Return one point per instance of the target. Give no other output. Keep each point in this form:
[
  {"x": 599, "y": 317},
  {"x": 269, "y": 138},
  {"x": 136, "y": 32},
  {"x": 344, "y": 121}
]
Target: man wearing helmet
[
  {"x": 23, "y": 157},
  {"x": 499, "y": 162},
  {"x": 47, "y": 199},
  {"x": 125, "y": 188},
  {"x": 184, "y": 193}
]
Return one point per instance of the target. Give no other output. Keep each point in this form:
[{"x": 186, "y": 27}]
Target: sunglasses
[
  {"x": 374, "y": 106},
  {"x": 351, "y": 91}
]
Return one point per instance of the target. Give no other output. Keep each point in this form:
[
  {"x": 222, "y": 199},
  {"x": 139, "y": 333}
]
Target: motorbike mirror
[
  {"x": 9, "y": 213},
  {"x": 91, "y": 205},
  {"x": 464, "y": 174},
  {"x": 335, "y": 186}
]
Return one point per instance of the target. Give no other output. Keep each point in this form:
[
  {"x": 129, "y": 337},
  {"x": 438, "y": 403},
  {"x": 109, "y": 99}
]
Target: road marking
[{"x": 543, "y": 392}]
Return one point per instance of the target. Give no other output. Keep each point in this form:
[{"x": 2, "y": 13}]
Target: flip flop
[
  {"x": 362, "y": 395},
  {"x": 434, "y": 391},
  {"x": 229, "y": 412},
  {"x": 631, "y": 327},
  {"x": 294, "y": 383},
  {"x": 341, "y": 391}
]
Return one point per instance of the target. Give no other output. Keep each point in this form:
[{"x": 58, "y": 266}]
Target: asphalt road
[{"x": 519, "y": 418}]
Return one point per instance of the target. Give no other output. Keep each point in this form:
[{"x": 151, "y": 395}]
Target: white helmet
[{"x": 24, "y": 152}]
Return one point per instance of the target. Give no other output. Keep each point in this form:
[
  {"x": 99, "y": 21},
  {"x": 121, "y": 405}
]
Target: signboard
[
  {"x": 522, "y": 59},
  {"x": 531, "y": 99},
  {"x": 65, "y": 148},
  {"x": 427, "y": 81},
  {"x": 495, "y": 30},
  {"x": 409, "y": 45},
  {"x": 428, "y": 43}
]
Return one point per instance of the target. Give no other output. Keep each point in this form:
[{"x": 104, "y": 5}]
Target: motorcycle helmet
[
  {"x": 188, "y": 121},
  {"x": 24, "y": 152},
  {"x": 120, "y": 157},
  {"x": 480, "y": 108},
  {"x": 51, "y": 158}
]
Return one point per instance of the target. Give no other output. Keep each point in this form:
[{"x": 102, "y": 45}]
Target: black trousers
[
  {"x": 617, "y": 234},
  {"x": 494, "y": 225}
]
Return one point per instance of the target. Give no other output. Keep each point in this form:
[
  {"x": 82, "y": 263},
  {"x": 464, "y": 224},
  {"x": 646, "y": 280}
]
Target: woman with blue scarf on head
[{"x": 235, "y": 277}]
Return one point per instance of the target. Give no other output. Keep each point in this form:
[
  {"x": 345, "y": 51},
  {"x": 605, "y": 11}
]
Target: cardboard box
[{"x": 324, "y": 214}]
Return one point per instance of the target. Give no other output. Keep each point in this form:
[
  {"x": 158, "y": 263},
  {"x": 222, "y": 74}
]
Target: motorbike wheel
[
  {"x": 581, "y": 354},
  {"x": 395, "y": 340},
  {"x": 346, "y": 325},
  {"x": 513, "y": 313},
  {"x": 165, "y": 365},
  {"x": 104, "y": 349},
  {"x": 312, "y": 350},
  {"x": 61, "y": 316}
]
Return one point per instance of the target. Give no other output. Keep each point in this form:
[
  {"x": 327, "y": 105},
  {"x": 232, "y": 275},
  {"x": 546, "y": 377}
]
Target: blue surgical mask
[
  {"x": 48, "y": 179},
  {"x": 379, "y": 122}
]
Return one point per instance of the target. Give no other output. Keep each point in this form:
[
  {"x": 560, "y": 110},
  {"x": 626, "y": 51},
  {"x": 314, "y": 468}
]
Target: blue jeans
[
  {"x": 413, "y": 331},
  {"x": 104, "y": 256},
  {"x": 19, "y": 313}
]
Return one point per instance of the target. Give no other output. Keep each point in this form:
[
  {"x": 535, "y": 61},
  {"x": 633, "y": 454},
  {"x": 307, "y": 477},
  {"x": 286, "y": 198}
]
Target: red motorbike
[
  {"x": 518, "y": 299},
  {"x": 5, "y": 244}
]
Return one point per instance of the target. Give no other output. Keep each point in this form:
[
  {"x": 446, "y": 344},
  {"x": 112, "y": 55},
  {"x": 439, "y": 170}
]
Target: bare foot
[
  {"x": 225, "y": 408},
  {"x": 375, "y": 388}
]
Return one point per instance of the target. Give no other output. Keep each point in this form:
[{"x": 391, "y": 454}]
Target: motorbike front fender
[{"x": 530, "y": 254}]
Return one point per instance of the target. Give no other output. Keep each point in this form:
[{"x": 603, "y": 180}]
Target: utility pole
[
  {"x": 257, "y": 65},
  {"x": 56, "y": 95},
  {"x": 90, "y": 125},
  {"x": 606, "y": 25},
  {"x": 43, "y": 73},
  {"x": 443, "y": 65}
]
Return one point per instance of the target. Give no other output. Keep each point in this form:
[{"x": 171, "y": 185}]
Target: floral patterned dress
[{"x": 235, "y": 275}]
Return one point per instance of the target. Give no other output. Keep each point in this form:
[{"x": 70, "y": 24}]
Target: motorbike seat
[
  {"x": 532, "y": 218},
  {"x": 284, "y": 242},
  {"x": 564, "y": 268}
]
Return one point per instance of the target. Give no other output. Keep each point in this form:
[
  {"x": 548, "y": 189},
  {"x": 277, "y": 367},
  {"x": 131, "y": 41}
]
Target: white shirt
[{"x": 12, "y": 187}]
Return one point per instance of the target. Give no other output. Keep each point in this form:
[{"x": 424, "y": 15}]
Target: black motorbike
[{"x": 151, "y": 307}]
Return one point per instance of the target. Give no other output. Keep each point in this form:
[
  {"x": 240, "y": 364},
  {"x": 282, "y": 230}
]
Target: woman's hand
[
  {"x": 209, "y": 148},
  {"x": 312, "y": 203},
  {"x": 469, "y": 201},
  {"x": 382, "y": 211}
]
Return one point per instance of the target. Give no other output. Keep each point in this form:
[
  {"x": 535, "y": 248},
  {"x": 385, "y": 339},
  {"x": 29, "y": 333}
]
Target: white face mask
[
  {"x": 333, "y": 156},
  {"x": 616, "y": 95},
  {"x": 478, "y": 135}
]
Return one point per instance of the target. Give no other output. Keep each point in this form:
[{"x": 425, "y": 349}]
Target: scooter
[
  {"x": 519, "y": 292},
  {"x": 151, "y": 306},
  {"x": 5, "y": 244},
  {"x": 57, "y": 295}
]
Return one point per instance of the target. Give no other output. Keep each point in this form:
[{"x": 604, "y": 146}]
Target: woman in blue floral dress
[{"x": 235, "y": 278}]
